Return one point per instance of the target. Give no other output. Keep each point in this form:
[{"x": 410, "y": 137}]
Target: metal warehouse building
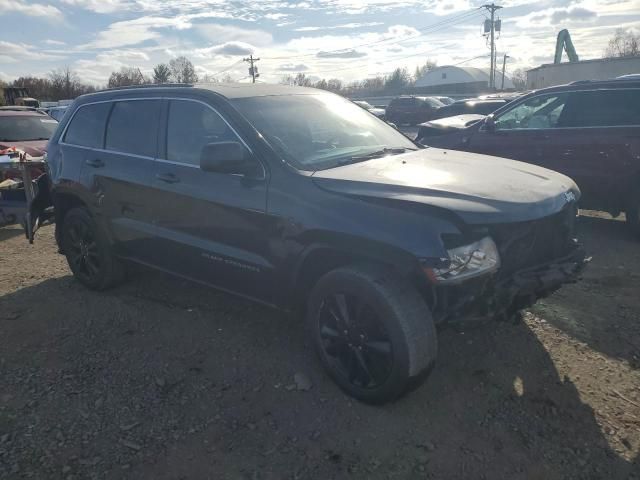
[
  {"x": 452, "y": 79},
  {"x": 598, "y": 69}
]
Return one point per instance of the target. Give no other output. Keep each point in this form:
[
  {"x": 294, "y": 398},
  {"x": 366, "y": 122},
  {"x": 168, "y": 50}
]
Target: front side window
[
  {"x": 315, "y": 132},
  {"x": 133, "y": 127},
  {"x": 22, "y": 128},
  {"x": 535, "y": 113},
  {"x": 87, "y": 126},
  {"x": 191, "y": 126}
]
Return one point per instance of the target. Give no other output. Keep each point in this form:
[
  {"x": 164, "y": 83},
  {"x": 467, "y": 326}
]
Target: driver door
[
  {"x": 524, "y": 132},
  {"x": 209, "y": 226}
]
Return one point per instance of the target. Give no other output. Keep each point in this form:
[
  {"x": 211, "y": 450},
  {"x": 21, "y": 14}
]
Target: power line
[
  {"x": 392, "y": 59},
  {"x": 464, "y": 17}
]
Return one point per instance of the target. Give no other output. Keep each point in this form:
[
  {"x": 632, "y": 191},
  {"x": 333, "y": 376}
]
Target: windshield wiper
[{"x": 376, "y": 154}]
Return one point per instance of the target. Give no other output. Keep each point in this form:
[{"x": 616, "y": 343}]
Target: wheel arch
[{"x": 321, "y": 257}]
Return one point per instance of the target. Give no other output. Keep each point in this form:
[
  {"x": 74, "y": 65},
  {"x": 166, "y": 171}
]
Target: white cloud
[
  {"x": 228, "y": 33},
  {"x": 32, "y": 9},
  {"x": 133, "y": 32},
  {"x": 102, "y": 6},
  {"x": 54, "y": 42},
  {"x": 227, "y": 49},
  {"x": 337, "y": 27},
  {"x": 14, "y": 52}
]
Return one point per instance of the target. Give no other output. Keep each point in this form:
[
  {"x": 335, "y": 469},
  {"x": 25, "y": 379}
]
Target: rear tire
[
  {"x": 88, "y": 251},
  {"x": 372, "y": 331}
]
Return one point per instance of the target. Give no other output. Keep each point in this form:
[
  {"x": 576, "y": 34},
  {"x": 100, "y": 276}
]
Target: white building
[
  {"x": 598, "y": 69},
  {"x": 458, "y": 78}
]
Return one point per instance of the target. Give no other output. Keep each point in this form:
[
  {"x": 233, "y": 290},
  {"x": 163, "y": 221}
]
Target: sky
[{"x": 345, "y": 39}]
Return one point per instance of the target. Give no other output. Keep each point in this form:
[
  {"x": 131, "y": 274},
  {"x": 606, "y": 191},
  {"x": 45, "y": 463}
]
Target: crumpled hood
[
  {"x": 35, "y": 148},
  {"x": 479, "y": 188}
]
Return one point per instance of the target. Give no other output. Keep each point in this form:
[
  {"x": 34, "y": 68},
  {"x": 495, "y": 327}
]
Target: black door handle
[
  {"x": 95, "y": 163},
  {"x": 167, "y": 177}
]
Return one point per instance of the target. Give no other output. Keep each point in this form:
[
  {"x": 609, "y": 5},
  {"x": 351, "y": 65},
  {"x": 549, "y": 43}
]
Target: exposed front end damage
[{"x": 537, "y": 258}]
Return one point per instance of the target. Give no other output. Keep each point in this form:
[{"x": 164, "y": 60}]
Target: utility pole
[
  {"x": 253, "y": 70},
  {"x": 492, "y": 73},
  {"x": 504, "y": 66}
]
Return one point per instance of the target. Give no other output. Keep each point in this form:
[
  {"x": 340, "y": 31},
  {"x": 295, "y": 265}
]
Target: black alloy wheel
[
  {"x": 88, "y": 251},
  {"x": 372, "y": 331},
  {"x": 355, "y": 341}
]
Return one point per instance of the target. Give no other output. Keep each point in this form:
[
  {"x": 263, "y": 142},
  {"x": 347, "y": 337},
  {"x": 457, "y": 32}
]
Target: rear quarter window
[
  {"x": 602, "y": 108},
  {"x": 87, "y": 126}
]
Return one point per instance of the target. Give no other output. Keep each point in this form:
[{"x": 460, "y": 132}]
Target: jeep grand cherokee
[{"x": 298, "y": 198}]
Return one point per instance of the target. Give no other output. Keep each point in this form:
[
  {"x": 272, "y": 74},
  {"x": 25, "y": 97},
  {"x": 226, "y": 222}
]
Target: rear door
[
  {"x": 597, "y": 142},
  {"x": 210, "y": 227},
  {"x": 119, "y": 173}
]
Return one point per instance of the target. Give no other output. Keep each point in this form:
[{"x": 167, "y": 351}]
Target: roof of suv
[
  {"x": 594, "y": 85},
  {"x": 228, "y": 90},
  {"x": 20, "y": 112}
]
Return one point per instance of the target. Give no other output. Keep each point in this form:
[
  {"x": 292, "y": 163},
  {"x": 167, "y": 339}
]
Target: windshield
[
  {"x": 316, "y": 132},
  {"x": 24, "y": 128}
]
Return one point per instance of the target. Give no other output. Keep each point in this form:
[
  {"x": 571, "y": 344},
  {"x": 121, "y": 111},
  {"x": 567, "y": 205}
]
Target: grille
[{"x": 527, "y": 244}]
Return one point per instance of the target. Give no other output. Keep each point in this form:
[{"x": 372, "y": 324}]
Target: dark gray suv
[{"x": 301, "y": 200}]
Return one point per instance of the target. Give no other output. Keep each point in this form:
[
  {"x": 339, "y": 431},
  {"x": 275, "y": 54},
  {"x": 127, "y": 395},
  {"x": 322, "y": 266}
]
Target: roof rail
[
  {"x": 148, "y": 85},
  {"x": 19, "y": 108}
]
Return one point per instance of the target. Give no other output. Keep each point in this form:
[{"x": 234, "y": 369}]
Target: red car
[
  {"x": 25, "y": 129},
  {"x": 588, "y": 130}
]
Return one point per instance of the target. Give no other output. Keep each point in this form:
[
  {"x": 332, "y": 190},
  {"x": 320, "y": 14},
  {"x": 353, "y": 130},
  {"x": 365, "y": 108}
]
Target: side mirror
[
  {"x": 489, "y": 124},
  {"x": 226, "y": 157}
]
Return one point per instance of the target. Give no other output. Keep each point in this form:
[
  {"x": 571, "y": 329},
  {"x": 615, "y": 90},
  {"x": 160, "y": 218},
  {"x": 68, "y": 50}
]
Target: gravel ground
[{"x": 163, "y": 379}]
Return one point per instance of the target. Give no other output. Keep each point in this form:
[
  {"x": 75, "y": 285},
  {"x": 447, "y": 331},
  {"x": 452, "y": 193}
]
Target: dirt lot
[{"x": 163, "y": 379}]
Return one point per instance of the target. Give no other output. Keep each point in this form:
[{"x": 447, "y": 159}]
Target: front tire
[
  {"x": 88, "y": 251},
  {"x": 372, "y": 331}
]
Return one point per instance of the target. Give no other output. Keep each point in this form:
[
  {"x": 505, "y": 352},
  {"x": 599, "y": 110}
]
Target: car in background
[
  {"x": 55, "y": 112},
  {"x": 412, "y": 110},
  {"x": 377, "y": 111},
  {"x": 473, "y": 106},
  {"x": 445, "y": 100},
  {"x": 587, "y": 130},
  {"x": 26, "y": 129}
]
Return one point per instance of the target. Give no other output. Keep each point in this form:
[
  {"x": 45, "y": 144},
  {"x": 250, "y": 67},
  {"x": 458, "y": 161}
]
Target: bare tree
[
  {"x": 64, "y": 82},
  {"x": 519, "y": 79},
  {"x": 126, "y": 76},
  {"x": 422, "y": 70},
  {"x": 399, "y": 79},
  {"x": 182, "y": 70},
  {"x": 226, "y": 78},
  {"x": 161, "y": 73},
  {"x": 624, "y": 43}
]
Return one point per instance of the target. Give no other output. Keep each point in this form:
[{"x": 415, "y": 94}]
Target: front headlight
[{"x": 469, "y": 261}]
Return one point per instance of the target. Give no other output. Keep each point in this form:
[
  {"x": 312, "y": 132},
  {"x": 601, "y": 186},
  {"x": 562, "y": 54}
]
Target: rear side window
[
  {"x": 191, "y": 126},
  {"x": 133, "y": 127},
  {"x": 602, "y": 108},
  {"x": 402, "y": 102},
  {"x": 87, "y": 126}
]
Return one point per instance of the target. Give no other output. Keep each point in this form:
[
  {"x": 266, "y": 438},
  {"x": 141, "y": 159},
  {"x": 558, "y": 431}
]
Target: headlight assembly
[{"x": 468, "y": 261}]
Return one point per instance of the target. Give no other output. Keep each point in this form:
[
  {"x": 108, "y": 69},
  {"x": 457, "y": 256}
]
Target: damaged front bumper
[{"x": 502, "y": 297}]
